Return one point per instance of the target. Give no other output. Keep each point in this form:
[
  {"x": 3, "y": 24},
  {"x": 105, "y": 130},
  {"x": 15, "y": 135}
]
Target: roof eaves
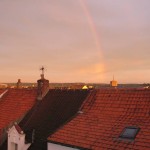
[{"x": 68, "y": 145}]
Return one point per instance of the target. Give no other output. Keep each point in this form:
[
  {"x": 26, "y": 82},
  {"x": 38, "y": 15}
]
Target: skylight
[{"x": 129, "y": 133}]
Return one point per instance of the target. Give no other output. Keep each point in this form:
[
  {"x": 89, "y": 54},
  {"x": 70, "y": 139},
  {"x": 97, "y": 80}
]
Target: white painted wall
[
  {"x": 52, "y": 146},
  {"x": 16, "y": 141}
]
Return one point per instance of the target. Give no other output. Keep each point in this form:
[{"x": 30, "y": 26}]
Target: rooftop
[
  {"x": 104, "y": 117},
  {"x": 56, "y": 108},
  {"x": 14, "y": 104}
]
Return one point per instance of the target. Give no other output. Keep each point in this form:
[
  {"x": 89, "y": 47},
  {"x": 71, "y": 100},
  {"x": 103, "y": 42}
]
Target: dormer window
[{"x": 129, "y": 133}]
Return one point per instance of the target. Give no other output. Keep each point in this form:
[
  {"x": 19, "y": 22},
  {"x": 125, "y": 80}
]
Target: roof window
[{"x": 129, "y": 133}]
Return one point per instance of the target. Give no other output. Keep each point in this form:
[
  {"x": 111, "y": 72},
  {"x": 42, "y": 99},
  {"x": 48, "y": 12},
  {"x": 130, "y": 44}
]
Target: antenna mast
[{"x": 42, "y": 69}]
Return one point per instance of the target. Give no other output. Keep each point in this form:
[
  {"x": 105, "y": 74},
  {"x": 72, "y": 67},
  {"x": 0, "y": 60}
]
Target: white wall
[
  {"x": 52, "y": 146},
  {"x": 16, "y": 141}
]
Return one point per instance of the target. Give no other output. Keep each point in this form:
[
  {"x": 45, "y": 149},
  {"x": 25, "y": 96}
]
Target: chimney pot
[
  {"x": 42, "y": 76},
  {"x": 19, "y": 84}
]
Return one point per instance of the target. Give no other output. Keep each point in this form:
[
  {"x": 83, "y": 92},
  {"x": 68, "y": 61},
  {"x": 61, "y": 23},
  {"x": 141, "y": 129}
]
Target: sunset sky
[{"x": 76, "y": 40}]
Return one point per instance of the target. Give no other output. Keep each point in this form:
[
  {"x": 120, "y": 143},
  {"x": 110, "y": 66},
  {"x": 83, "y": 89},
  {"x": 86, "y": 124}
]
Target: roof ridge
[
  {"x": 1, "y": 95},
  {"x": 18, "y": 128},
  {"x": 89, "y": 98}
]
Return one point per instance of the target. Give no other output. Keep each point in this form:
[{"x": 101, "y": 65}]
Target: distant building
[
  {"x": 76, "y": 86},
  {"x": 2, "y": 85},
  {"x": 18, "y": 85},
  {"x": 85, "y": 87},
  {"x": 80, "y": 86},
  {"x": 113, "y": 83}
]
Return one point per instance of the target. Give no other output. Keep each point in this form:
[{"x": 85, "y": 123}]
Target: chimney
[
  {"x": 19, "y": 84},
  {"x": 42, "y": 86}
]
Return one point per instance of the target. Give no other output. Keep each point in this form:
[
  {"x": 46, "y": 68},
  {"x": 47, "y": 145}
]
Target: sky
[{"x": 75, "y": 40}]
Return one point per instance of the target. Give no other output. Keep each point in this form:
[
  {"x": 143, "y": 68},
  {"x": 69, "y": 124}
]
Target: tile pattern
[
  {"x": 14, "y": 104},
  {"x": 103, "y": 119}
]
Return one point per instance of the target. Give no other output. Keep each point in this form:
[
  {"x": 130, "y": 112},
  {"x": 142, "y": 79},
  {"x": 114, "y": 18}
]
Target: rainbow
[
  {"x": 91, "y": 25},
  {"x": 98, "y": 68}
]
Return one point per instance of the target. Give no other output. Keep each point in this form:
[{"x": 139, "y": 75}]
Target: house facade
[{"x": 16, "y": 139}]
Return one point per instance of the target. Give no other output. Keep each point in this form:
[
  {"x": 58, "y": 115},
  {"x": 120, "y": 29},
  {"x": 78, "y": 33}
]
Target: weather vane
[{"x": 42, "y": 69}]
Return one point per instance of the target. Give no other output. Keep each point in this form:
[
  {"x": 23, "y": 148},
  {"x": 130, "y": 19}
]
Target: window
[
  {"x": 14, "y": 146},
  {"x": 129, "y": 133}
]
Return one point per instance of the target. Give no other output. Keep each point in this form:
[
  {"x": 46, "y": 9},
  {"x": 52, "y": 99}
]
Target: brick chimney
[
  {"x": 42, "y": 87},
  {"x": 19, "y": 84}
]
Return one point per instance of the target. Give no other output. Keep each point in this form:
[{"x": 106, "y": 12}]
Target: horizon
[
  {"x": 77, "y": 41},
  {"x": 75, "y": 83}
]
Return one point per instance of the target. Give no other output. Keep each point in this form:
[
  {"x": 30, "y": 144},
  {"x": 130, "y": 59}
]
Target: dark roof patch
[{"x": 56, "y": 108}]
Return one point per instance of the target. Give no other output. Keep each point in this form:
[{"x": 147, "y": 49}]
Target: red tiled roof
[
  {"x": 14, "y": 104},
  {"x": 104, "y": 117}
]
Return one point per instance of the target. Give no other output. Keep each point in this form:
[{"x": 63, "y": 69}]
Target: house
[
  {"x": 16, "y": 138},
  {"x": 30, "y": 115},
  {"x": 45, "y": 117},
  {"x": 76, "y": 86},
  {"x": 16, "y": 103},
  {"x": 109, "y": 119}
]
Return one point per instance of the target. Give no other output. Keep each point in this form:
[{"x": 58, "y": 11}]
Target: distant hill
[{"x": 95, "y": 85}]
